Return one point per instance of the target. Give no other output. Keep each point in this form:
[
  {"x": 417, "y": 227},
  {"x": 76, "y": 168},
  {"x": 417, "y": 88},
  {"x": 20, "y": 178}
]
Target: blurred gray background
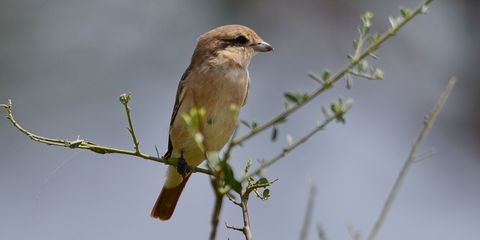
[{"x": 64, "y": 63}]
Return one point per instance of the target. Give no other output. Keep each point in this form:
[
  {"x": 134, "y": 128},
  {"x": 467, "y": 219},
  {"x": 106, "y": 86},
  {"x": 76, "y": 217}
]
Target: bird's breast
[
  {"x": 215, "y": 91},
  {"x": 225, "y": 89}
]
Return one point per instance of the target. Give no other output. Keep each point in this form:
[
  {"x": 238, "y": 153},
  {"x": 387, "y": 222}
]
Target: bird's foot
[{"x": 182, "y": 166}]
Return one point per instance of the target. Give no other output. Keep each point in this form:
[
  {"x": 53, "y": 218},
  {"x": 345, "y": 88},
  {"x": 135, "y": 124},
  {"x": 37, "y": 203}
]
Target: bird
[{"x": 216, "y": 79}]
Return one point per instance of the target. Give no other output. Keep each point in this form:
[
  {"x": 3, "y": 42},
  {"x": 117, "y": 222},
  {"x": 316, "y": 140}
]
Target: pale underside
[{"x": 214, "y": 87}]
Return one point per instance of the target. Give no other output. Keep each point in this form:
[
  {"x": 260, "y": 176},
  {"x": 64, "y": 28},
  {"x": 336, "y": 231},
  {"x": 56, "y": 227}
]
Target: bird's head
[{"x": 229, "y": 44}]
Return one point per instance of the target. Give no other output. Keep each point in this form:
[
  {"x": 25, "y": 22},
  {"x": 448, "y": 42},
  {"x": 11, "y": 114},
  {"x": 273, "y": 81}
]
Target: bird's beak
[{"x": 262, "y": 47}]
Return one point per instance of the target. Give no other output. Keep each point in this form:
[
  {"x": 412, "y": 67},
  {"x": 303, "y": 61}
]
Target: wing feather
[{"x": 176, "y": 107}]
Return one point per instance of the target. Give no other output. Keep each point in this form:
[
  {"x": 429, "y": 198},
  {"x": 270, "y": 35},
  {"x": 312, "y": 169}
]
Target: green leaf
[
  {"x": 328, "y": 85},
  {"x": 236, "y": 185},
  {"x": 305, "y": 97},
  {"x": 405, "y": 12},
  {"x": 262, "y": 180},
  {"x": 266, "y": 194},
  {"x": 273, "y": 137},
  {"x": 374, "y": 38},
  {"x": 326, "y": 75},
  {"x": 339, "y": 110},
  {"x": 254, "y": 124},
  {"x": 315, "y": 77},
  {"x": 249, "y": 165},
  {"x": 230, "y": 178},
  {"x": 394, "y": 21},
  {"x": 296, "y": 98},
  {"x": 245, "y": 123},
  {"x": 291, "y": 97},
  {"x": 355, "y": 44}
]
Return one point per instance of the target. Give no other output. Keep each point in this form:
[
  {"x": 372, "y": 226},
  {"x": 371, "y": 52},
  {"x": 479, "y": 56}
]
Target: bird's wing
[{"x": 176, "y": 107}]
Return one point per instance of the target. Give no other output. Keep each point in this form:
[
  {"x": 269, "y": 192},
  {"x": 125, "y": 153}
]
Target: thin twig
[
  {"x": 84, "y": 144},
  {"x": 363, "y": 75},
  {"x": 243, "y": 204},
  {"x": 307, "y": 220},
  {"x": 125, "y": 99},
  {"x": 425, "y": 155},
  {"x": 233, "y": 227},
  {"x": 332, "y": 80},
  {"x": 217, "y": 208},
  {"x": 232, "y": 200},
  {"x": 411, "y": 159}
]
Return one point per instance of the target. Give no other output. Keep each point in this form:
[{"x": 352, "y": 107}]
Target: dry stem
[{"x": 428, "y": 122}]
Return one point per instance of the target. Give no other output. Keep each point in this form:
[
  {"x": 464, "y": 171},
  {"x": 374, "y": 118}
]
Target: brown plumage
[{"x": 216, "y": 78}]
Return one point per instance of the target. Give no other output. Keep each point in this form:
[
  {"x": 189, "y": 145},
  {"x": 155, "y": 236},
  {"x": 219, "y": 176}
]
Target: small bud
[
  {"x": 125, "y": 98},
  {"x": 364, "y": 66},
  {"x": 289, "y": 140},
  {"x": 367, "y": 19},
  {"x": 424, "y": 9},
  {"x": 405, "y": 12},
  {"x": 393, "y": 21},
  {"x": 378, "y": 74},
  {"x": 349, "y": 81}
]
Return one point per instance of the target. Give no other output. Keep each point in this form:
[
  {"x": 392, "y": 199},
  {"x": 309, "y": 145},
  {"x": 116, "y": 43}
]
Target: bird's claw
[{"x": 182, "y": 166}]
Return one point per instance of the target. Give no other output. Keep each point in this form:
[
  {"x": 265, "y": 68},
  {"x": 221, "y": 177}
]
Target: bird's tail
[{"x": 167, "y": 200}]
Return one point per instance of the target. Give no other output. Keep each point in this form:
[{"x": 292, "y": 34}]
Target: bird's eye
[{"x": 241, "y": 39}]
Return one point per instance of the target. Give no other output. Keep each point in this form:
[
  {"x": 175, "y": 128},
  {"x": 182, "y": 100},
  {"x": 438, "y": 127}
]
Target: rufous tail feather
[{"x": 167, "y": 200}]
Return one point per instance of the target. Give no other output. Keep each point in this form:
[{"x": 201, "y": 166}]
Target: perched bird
[{"x": 216, "y": 78}]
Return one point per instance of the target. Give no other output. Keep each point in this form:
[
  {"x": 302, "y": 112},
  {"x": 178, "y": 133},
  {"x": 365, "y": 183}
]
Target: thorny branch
[
  {"x": 359, "y": 56},
  {"x": 84, "y": 144}
]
